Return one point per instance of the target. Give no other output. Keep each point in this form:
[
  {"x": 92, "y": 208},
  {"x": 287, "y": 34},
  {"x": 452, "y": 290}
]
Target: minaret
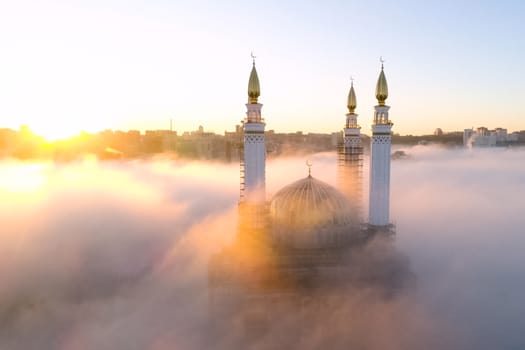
[
  {"x": 380, "y": 158},
  {"x": 350, "y": 159},
  {"x": 253, "y": 187}
]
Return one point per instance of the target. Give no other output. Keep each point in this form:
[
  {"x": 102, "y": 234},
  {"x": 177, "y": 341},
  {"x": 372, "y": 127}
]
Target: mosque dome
[{"x": 310, "y": 214}]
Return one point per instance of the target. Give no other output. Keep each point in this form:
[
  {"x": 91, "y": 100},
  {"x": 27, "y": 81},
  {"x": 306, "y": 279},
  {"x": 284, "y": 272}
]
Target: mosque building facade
[{"x": 304, "y": 246}]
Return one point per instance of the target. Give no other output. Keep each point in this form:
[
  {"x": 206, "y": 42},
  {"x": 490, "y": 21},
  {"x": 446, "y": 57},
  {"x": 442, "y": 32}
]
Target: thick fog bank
[
  {"x": 460, "y": 216},
  {"x": 114, "y": 255}
]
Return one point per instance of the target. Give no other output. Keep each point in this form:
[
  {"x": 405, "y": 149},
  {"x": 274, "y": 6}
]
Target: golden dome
[
  {"x": 310, "y": 214},
  {"x": 352, "y": 102},
  {"x": 381, "y": 88},
  {"x": 254, "y": 90}
]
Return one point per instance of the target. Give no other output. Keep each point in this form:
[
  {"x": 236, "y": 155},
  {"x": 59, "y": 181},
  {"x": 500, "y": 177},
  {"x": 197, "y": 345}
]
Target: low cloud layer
[
  {"x": 460, "y": 217},
  {"x": 100, "y": 255}
]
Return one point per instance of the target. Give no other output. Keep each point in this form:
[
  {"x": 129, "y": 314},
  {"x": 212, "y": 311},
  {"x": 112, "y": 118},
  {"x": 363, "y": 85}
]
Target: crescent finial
[{"x": 309, "y": 165}]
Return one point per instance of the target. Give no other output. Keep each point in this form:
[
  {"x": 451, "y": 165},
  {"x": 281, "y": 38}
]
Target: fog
[
  {"x": 113, "y": 255},
  {"x": 460, "y": 218}
]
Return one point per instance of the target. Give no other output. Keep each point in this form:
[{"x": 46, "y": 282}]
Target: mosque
[{"x": 305, "y": 249}]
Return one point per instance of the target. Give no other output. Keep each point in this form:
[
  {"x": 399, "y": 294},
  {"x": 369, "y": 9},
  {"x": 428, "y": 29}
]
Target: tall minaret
[
  {"x": 350, "y": 159},
  {"x": 380, "y": 157},
  {"x": 253, "y": 186}
]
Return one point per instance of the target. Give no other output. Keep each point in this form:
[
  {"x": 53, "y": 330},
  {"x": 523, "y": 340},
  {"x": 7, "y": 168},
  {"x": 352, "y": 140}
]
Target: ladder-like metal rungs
[{"x": 242, "y": 170}]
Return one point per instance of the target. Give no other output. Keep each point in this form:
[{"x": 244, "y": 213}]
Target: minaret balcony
[{"x": 382, "y": 129}]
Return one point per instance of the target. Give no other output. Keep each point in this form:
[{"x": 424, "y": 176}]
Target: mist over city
[
  {"x": 262, "y": 175},
  {"x": 107, "y": 255}
]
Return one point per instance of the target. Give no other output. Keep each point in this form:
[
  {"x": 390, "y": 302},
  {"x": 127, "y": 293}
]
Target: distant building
[
  {"x": 8, "y": 139},
  {"x": 483, "y": 137},
  {"x": 233, "y": 144}
]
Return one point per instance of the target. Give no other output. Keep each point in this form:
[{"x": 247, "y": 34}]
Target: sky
[
  {"x": 115, "y": 255},
  {"x": 68, "y": 66}
]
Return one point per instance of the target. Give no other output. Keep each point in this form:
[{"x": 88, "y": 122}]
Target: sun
[{"x": 53, "y": 133}]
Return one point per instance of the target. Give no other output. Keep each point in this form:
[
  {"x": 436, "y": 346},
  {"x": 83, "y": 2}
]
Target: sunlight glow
[
  {"x": 55, "y": 132},
  {"x": 22, "y": 178}
]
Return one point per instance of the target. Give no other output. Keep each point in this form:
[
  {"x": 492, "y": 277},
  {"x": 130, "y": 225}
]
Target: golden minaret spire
[
  {"x": 254, "y": 90},
  {"x": 381, "y": 87},
  {"x": 352, "y": 101}
]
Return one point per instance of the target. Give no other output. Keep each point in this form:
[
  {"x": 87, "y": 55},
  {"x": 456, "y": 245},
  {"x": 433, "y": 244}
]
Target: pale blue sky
[{"x": 72, "y": 65}]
